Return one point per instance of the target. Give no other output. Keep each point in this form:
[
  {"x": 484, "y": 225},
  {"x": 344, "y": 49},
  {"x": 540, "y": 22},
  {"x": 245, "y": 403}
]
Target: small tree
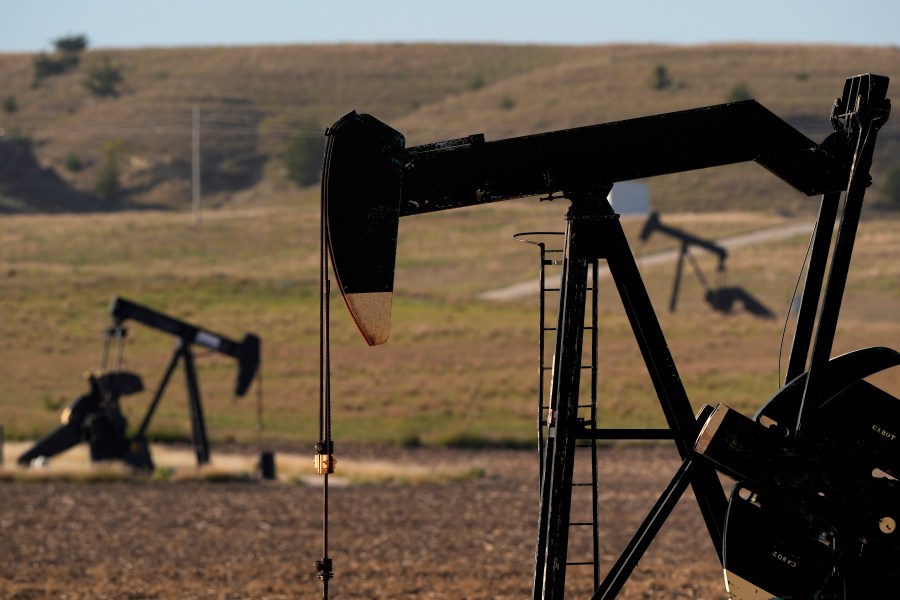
[
  {"x": 103, "y": 78},
  {"x": 71, "y": 44},
  {"x": 107, "y": 185},
  {"x": 304, "y": 156},
  {"x": 740, "y": 92},
  {"x": 73, "y": 163},
  {"x": 68, "y": 49},
  {"x": 661, "y": 79},
  {"x": 891, "y": 188},
  {"x": 47, "y": 66},
  {"x": 10, "y": 105}
]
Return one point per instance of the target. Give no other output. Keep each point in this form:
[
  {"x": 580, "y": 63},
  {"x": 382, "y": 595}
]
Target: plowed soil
[{"x": 229, "y": 540}]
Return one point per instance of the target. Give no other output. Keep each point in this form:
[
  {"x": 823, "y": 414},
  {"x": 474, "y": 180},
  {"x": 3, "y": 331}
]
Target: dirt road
[{"x": 525, "y": 289}]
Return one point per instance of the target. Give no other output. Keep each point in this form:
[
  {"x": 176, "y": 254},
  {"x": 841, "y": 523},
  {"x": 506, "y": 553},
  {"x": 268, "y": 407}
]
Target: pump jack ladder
[
  {"x": 587, "y": 408},
  {"x": 371, "y": 180}
]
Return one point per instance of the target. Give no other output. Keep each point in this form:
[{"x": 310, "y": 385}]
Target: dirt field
[{"x": 463, "y": 540}]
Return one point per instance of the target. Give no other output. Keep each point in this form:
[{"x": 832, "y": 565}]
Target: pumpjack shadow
[
  {"x": 96, "y": 417},
  {"x": 815, "y": 506}
]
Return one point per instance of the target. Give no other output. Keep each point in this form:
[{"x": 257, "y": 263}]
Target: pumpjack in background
[
  {"x": 96, "y": 417},
  {"x": 720, "y": 297}
]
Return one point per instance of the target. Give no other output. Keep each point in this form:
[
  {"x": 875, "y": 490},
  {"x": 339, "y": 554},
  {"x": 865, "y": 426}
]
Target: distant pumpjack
[
  {"x": 96, "y": 417},
  {"x": 687, "y": 240},
  {"x": 720, "y": 298}
]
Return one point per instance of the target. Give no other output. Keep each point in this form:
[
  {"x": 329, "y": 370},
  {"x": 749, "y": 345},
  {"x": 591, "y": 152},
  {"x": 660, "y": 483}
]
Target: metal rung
[
  {"x": 556, "y": 289},
  {"x": 582, "y": 564},
  {"x": 626, "y": 434}
]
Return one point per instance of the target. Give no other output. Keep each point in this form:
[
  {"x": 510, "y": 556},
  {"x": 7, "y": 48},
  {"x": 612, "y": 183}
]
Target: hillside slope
[
  {"x": 27, "y": 187},
  {"x": 252, "y": 100}
]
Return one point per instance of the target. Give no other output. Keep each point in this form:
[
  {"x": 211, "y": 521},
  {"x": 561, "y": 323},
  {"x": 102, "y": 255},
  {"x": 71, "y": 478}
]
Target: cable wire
[
  {"x": 325, "y": 446},
  {"x": 787, "y": 316}
]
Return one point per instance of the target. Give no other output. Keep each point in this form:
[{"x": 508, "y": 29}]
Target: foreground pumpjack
[
  {"x": 96, "y": 417},
  {"x": 815, "y": 509}
]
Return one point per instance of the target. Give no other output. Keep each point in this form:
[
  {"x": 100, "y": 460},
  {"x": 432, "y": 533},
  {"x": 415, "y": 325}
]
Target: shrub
[
  {"x": 507, "y": 103},
  {"x": 661, "y": 79},
  {"x": 103, "y": 78},
  {"x": 304, "y": 155},
  {"x": 47, "y": 66},
  {"x": 73, "y": 163},
  {"x": 740, "y": 92},
  {"x": 107, "y": 185},
  {"x": 69, "y": 54},
  {"x": 70, "y": 44},
  {"x": 409, "y": 440},
  {"x": 10, "y": 105},
  {"x": 891, "y": 189}
]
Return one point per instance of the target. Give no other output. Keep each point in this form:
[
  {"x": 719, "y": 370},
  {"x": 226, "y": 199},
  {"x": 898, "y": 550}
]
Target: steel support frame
[
  {"x": 812, "y": 288},
  {"x": 594, "y": 232},
  {"x": 195, "y": 406},
  {"x": 198, "y": 422},
  {"x": 865, "y": 134}
]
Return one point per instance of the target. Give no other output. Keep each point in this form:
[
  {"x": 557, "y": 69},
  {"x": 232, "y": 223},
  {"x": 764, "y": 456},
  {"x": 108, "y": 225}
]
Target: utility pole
[{"x": 195, "y": 164}]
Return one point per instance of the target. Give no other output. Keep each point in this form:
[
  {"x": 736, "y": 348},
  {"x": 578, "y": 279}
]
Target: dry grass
[
  {"x": 455, "y": 370},
  {"x": 179, "y": 464}
]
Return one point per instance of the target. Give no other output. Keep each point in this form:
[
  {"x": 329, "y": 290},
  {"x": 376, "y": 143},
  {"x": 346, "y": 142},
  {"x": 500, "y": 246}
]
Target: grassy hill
[{"x": 253, "y": 100}]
